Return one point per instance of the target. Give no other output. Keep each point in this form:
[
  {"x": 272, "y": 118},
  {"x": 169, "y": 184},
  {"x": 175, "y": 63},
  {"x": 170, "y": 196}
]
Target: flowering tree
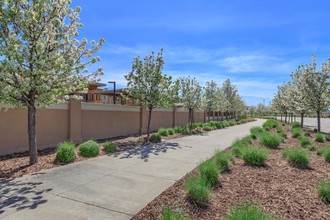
[
  {"x": 41, "y": 59},
  {"x": 298, "y": 96},
  {"x": 318, "y": 88},
  {"x": 209, "y": 97},
  {"x": 221, "y": 101},
  {"x": 148, "y": 85},
  {"x": 190, "y": 93},
  {"x": 229, "y": 92}
]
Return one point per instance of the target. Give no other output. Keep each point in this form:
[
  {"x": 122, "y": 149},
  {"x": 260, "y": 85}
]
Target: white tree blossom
[{"x": 41, "y": 57}]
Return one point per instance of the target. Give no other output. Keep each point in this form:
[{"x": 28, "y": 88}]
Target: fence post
[
  {"x": 75, "y": 121},
  {"x": 143, "y": 120}
]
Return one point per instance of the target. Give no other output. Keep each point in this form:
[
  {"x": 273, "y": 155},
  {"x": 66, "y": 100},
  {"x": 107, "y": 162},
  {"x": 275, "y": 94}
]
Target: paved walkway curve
[{"x": 111, "y": 187}]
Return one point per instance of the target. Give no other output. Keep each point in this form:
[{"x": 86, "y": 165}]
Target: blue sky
[{"x": 256, "y": 44}]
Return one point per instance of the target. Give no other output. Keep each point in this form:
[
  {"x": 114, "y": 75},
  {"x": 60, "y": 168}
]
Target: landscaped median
[
  {"x": 268, "y": 174},
  {"x": 16, "y": 165}
]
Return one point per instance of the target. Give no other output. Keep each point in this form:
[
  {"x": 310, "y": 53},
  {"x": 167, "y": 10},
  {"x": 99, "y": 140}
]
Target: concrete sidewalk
[{"x": 111, "y": 187}]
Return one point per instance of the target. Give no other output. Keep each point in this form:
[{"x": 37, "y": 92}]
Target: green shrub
[
  {"x": 222, "y": 160},
  {"x": 279, "y": 129},
  {"x": 225, "y": 123},
  {"x": 170, "y": 131},
  {"x": 231, "y": 123},
  {"x": 248, "y": 212},
  {"x": 207, "y": 128},
  {"x": 170, "y": 214},
  {"x": 178, "y": 129},
  {"x": 326, "y": 154},
  {"x": 267, "y": 128},
  {"x": 296, "y": 157},
  {"x": 319, "y": 137},
  {"x": 327, "y": 137},
  {"x": 239, "y": 144},
  {"x": 89, "y": 149},
  {"x": 163, "y": 132},
  {"x": 218, "y": 124},
  {"x": 324, "y": 191},
  {"x": 321, "y": 150},
  {"x": 295, "y": 124},
  {"x": 198, "y": 190},
  {"x": 253, "y": 136},
  {"x": 270, "y": 123},
  {"x": 66, "y": 152},
  {"x": 270, "y": 141},
  {"x": 304, "y": 141},
  {"x": 210, "y": 172},
  {"x": 110, "y": 147},
  {"x": 185, "y": 131},
  {"x": 254, "y": 156},
  {"x": 256, "y": 130},
  {"x": 155, "y": 138},
  {"x": 307, "y": 133},
  {"x": 296, "y": 132}
]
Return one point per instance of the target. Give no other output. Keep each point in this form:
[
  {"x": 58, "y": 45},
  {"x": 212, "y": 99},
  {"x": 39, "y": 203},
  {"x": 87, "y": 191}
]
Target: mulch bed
[
  {"x": 280, "y": 189},
  {"x": 17, "y": 165}
]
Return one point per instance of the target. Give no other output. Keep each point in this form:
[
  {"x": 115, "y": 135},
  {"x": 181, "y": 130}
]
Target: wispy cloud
[{"x": 257, "y": 63}]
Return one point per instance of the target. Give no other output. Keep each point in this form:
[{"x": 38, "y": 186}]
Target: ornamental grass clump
[
  {"x": 304, "y": 141},
  {"x": 198, "y": 190},
  {"x": 256, "y": 131},
  {"x": 222, "y": 160},
  {"x": 295, "y": 124},
  {"x": 155, "y": 138},
  {"x": 296, "y": 157},
  {"x": 270, "y": 123},
  {"x": 170, "y": 131},
  {"x": 269, "y": 140},
  {"x": 248, "y": 212},
  {"x": 319, "y": 137},
  {"x": 326, "y": 154},
  {"x": 239, "y": 144},
  {"x": 296, "y": 132},
  {"x": 65, "y": 152},
  {"x": 321, "y": 150},
  {"x": 327, "y": 137},
  {"x": 231, "y": 123},
  {"x": 89, "y": 149},
  {"x": 254, "y": 156},
  {"x": 178, "y": 129},
  {"x": 307, "y": 133},
  {"x": 110, "y": 147},
  {"x": 324, "y": 191},
  {"x": 163, "y": 132},
  {"x": 207, "y": 128},
  {"x": 210, "y": 172},
  {"x": 170, "y": 214}
]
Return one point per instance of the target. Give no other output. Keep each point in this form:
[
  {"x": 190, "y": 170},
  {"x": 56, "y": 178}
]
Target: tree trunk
[
  {"x": 281, "y": 117},
  {"x": 302, "y": 120},
  {"x": 148, "y": 127},
  {"x": 190, "y": 119},
  {"x": 226, "y": 115},
  {"x": 33, "y": 149},
  {"x": 286, "y": 116},
  {"x": 318, "y": 121}
]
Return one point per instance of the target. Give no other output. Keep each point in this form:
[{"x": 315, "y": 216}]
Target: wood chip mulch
[{"x": 280, "y": 189}]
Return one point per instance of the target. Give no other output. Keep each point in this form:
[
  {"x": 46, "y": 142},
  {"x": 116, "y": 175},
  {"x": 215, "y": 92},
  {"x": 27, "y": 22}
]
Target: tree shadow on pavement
[
  {"x": 17, "y": 195},
  {"x": 146, "y": 150}
]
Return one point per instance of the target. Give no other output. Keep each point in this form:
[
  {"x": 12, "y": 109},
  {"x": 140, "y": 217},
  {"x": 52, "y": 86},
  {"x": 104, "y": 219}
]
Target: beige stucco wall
[
  {"x": 52, "y": 128},
  {"x": 161, "y": 119},
  {"x": 105, "y": 124}
]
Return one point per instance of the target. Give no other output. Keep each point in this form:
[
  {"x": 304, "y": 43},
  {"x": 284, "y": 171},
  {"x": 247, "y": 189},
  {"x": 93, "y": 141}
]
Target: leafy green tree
[
  {"x": 148, "y": 85},
  {"x": 41, "y": 58},
  {"x": 190, "y": 93}
]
